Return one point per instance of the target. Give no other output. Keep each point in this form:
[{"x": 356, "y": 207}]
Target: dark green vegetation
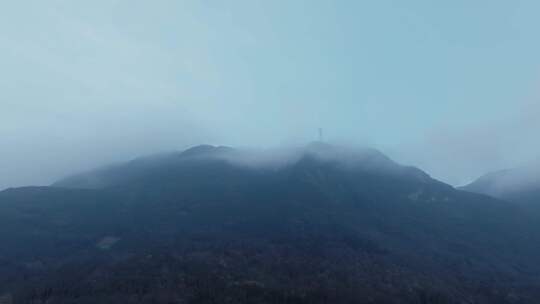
[{"x": 206, "y": 226}]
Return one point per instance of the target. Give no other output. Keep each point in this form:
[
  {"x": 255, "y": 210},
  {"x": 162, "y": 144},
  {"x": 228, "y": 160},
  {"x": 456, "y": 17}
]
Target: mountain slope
[{"x": 320, "y": 224}]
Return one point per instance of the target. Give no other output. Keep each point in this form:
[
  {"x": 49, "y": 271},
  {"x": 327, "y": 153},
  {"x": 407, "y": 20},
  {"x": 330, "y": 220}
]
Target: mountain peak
[{"x": 205, "y": 150}]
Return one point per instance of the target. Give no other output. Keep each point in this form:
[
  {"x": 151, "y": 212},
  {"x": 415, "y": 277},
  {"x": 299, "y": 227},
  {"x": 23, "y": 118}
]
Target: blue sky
[{"x": 451, "y": 87}]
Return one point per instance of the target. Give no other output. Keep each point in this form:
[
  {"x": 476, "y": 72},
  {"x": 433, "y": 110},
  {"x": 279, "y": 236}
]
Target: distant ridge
[{"x": 519, "y": 185}]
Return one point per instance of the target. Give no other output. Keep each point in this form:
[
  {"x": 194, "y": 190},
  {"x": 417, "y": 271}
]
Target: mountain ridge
[
  {"x": 255, "y": 159},
  {"x": 519, "y": 185}
]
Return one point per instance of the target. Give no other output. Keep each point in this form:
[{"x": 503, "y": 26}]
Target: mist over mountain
[
  {"x": 519, "y": 185},
  {"x": 96, "y": 82},
  {"x": 269, "y": 152},
  {"x": 314, "y": 224},
  {"x": 365, "y": 159}
]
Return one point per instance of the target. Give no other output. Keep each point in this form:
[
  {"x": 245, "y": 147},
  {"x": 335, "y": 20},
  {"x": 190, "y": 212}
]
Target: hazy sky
[{"x": 450, "y": 86}]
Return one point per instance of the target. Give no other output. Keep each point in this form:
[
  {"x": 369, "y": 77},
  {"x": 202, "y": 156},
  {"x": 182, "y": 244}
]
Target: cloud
[
  {"x": 88, "y": 83},
  {"x": 459, "y": 155}
]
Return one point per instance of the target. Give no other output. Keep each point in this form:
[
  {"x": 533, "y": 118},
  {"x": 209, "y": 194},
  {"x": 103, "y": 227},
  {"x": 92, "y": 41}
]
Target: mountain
[
  {"x": 142, "y": 168},
  {"x": 316, "y": 224},
  {"x": 169, "y": 166},
  {"x": 520, "y": 185}
]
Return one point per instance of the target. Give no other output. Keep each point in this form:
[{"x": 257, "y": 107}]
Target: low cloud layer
[
  {"x": 85, "y": 84},
  {"x": 459, "y": 155}
]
